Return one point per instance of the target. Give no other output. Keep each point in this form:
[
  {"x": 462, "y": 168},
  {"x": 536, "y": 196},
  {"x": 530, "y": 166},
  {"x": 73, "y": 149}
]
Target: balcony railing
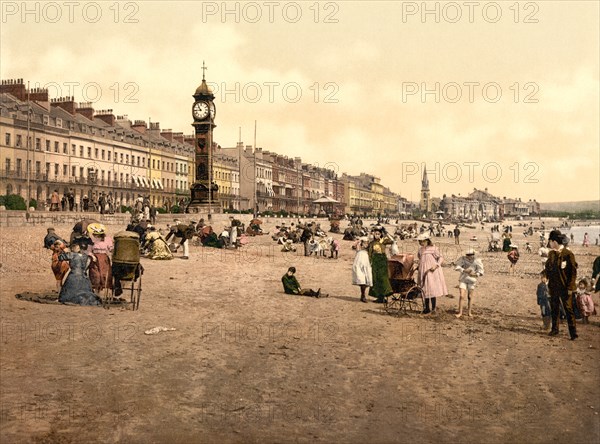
[{"x": 22, "y": 175}]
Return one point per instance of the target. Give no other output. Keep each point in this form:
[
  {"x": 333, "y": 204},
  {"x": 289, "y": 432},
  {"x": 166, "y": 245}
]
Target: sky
[{"x": 496, "y": 95}]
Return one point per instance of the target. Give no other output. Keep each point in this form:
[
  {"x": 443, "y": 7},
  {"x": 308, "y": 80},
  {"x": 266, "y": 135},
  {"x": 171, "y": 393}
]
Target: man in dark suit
[{"x": 561, "y": 270}]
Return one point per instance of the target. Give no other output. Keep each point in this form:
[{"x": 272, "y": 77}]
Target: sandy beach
[{"x": 248, "y": 364}]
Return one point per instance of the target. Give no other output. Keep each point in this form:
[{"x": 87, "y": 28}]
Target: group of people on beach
[
  {"x": 88, "y": 257},
  {"x": 370, "y": 270}
]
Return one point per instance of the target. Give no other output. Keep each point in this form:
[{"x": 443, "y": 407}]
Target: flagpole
[
  {"x": 255, "y": 190},
  {"x": 28, "y": 143}
]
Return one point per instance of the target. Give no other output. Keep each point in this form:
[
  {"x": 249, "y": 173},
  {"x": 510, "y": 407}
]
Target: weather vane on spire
[{"x": 204, "y": 68}]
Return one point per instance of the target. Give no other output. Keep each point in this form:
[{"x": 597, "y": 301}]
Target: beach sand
[{"x": 247, "y": 363}]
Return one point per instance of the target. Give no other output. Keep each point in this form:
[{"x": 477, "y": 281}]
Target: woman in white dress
[{"x": 362, "y": 274}]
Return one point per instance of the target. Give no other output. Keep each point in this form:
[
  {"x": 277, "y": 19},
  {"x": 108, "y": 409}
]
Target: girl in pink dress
[
  {"x": 431, "y": 278},
  {"x": 100, "y": 269},
  {"x": 585, "y": 302}
]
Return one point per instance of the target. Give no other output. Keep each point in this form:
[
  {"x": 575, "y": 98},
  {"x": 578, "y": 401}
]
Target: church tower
[
  {"x": 425, "y": 204},
  {"x": 203, "y": 113}
]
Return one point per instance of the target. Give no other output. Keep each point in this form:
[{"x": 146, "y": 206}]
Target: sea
[{"x": 593, "y": 232}]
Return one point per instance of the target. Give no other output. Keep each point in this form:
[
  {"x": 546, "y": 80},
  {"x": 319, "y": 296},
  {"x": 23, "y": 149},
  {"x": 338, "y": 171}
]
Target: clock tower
[{"x": 203, "y": 113}]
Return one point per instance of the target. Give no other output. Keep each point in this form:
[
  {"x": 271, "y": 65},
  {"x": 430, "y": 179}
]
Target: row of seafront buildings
[
  {"x": 479, "y": 205},
  {"x": 58, "y": 144}
]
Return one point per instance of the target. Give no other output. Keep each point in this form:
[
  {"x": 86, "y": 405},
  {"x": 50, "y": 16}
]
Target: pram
[
  {"x": 408, "y": 295},
  {"x": 126, "y": 268}
]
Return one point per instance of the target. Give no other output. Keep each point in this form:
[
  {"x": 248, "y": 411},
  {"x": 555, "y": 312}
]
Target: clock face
[
  {"x": 200, "y": 110},
  {"x": 213, "y": 110}
]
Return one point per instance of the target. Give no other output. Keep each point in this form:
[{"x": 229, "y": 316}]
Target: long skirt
[
  {"x": 100, "y": 272},
  {"x": 381, "y": 281},
  {"x": 77, "y": 290}
]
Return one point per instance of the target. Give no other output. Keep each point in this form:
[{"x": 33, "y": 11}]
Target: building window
[
  {"x": 73, "y": 171},
  {"x": 65, "y": 149},
  {"x": 108, "y": 177},
  {"x": 38, "y": 144},
  {"x": 153, "y": 165},
  {"x": 143, "y": 161},
  {"x": 7, "y": 165},
  {"x": 103, "y": 151},
  {"x": 48, "y": 168},
  {"x": 65, "y": 170},
  {"x": 108, "y": 155},
  {"x": 19, "y": 140},
  {"x": 55, "y": 169},
  {"x": 80, "y": 150},
  {"x": 89, "y": 151},
  {"x": 19, "y": 166},
  {"x": 121, "y": 157},
  {"x": 81, "y": 172},
  {"x": 73, "y": 149},
  {"x": 7, "y": 139},
  {"x": 126, "y": 158},
  {"x": 47, "y": 145},
  {"x": 96, "y": 153},
  {"x": 56, "y": 147},
  {"x": 38, "y": 168}
]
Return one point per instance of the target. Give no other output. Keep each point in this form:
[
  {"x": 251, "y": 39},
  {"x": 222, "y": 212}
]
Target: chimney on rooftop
[
  {"x": 139, "y": 126},
  {"x": 86, "y": 110},
  {"x": 14, "y": 87},
  {"x": 40, "y": 96},
  {"x": 107, "y": 116},
  {"x": 167, "y": 134},
  {"x": 66, "y": 103}
]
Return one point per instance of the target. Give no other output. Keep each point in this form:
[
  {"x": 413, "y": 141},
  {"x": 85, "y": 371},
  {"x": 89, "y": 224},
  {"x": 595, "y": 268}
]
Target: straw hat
[
  {"x": 470, "y": 252},
  {"x": 96, "y": 229},
  {"x": 423, "y": 236}
]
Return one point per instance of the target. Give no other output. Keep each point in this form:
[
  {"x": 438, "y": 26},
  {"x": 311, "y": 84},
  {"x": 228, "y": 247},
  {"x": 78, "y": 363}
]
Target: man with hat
[
  {"x": 183, "y": 231},
  {"x": 470, "y": 269},
  {"x": 561, "y": 269}
]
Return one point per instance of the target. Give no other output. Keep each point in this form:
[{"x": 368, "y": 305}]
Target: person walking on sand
[
  {"x": 561, "y": 269},
  {"x": 513, "y": 258},
  {"x": 586, "y": 240},
  {"x": 431, "y": 276},
  {"x": 470, "y": 269},
  {"x": 456, "y": 234},
  {"x": 362, "y": 274}
]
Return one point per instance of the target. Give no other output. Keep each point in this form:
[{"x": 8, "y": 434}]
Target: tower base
[{"x": 203, "y": 207}]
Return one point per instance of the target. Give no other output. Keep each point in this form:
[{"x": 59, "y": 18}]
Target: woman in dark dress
[
  {"x": 77, "y": 288},
  {"x": 379, "y": 264}
]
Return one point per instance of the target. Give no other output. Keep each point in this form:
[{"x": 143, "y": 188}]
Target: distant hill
[{"x": 572, "y": 207}]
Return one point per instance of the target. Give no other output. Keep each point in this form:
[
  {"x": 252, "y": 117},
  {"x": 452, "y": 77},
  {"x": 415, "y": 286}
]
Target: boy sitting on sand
[{"x": 292, "y": 286}]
